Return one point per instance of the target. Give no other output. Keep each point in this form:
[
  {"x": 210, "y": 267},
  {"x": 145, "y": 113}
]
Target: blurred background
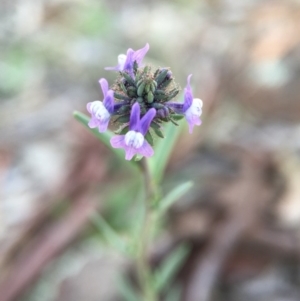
[{"x": 241, "y": 219}]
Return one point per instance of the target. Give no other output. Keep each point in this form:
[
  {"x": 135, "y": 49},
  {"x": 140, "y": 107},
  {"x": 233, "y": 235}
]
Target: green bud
[
  {"x": 131, "y": 91},
  {"x": 161, "y": 76},
  {"x": 131, "y": 88},
  {"x": 124, "y": 109},
  {"x": 128, "y": 78},
  {"x": 150, "y": 97},
  {"x": 158, "y": 106},
  {"x": 137, "y": 77},
  {"x": 166, "y": 83},
  {"x": 141, "y": 88},
  {"x": 160, "y": 94},
  {"x": 146, "y": 69},
  {"x": 147, "y": 88},
  {"x": 139, "y": 82},
  {"x": 122, "y": 87},
  {"x": 172, "y": 94},
  {"x": 140, "y": 99},
  {"x": 156, "y": 72},
  {"x": 153, "y": 86}
]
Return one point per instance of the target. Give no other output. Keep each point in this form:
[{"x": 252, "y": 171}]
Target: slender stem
[
  {"x": 143, "y": 266},
  {"x": 150, "y": 185}
]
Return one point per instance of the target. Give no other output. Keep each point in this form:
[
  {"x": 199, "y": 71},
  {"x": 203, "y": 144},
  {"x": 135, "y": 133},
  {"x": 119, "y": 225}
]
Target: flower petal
[
  {"x": 146, "y": 121},
  {"x": 146, "y": 149},
  {"x": 93, "y": 123},
  {"x": 188, "y": 95},
  {"x": 121, "y": 62},
  {"x": 130, "y": 152},
  {"x": 104, "y": 86},
  {"x": 103, "y": 125},
  {"x": 118, "y": 141},
  {"x": 140, "y": 54},
  {"x": 109, "y": 101},
  {"x": 128, "y": 65},
  {"x": 134, "y": 123},
  {"x": 192, "y": 121},
  {"x": 88, "y": 107}
]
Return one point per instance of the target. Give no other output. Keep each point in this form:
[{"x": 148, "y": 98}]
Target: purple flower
[
  {"x": 191, "y": 108},
  {"x": 125, "y": 62},
  {"x": 134, "y": 141},
  {"x": 101, "y": 111}
]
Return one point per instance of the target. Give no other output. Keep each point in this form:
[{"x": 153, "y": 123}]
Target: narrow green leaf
[
  {"x": 173, "y": 196},
  {"x": 159, "y": 133},
  {"x": 109, "y": 234},
  {"x": 126, "y": 290},
  {"x": 163, "y": 149},
  {"x": 157, "y": 129},
  {"x": 149, "y": 138},
  {"x": 173, "y": 121},
  {"x": 166, "y": 272},
  {"x": 128, "y": 78}
]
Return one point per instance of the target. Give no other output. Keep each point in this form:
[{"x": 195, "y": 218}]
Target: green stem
[{"x": 143, "y": 266}]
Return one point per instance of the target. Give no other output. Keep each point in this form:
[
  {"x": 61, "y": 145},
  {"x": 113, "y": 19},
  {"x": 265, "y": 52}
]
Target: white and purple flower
[
  {"x": 134, "y": 141},
  {"x": 126, "y": 61},
  {"x": 191, "y": 108},
  {"x": 101, "y": 111}
]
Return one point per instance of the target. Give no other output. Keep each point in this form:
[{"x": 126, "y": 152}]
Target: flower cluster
[{"x": 141, "y": 101}]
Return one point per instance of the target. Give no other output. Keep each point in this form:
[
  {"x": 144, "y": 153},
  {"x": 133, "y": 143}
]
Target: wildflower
[
  {"x": 191, "y": 108},
  {"x": 134, "y": 141},
  {"x": 126, "y": 62},
  {"x": 101, "y": 111},
  {"x": 140, "y": 102}
]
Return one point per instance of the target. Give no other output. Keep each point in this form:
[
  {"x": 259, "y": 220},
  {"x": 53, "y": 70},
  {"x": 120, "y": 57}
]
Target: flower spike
[{"x": 140, "y": 98}]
